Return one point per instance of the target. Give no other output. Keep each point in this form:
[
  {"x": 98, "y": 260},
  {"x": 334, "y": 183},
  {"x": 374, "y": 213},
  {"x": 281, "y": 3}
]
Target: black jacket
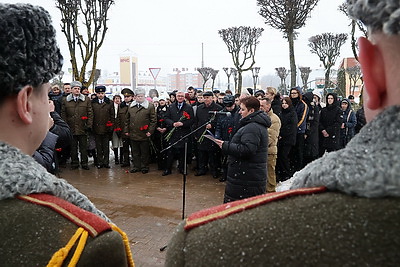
[
  {"x": 226, "y": 125},
  {"x": 247, "y": 157},
  {"x": 172, "y": 115},
  {"x": 330, "y": 121},
  {"x": 201, "y": 118},
  {"x": 311, "y": 144},
  {"x": 288, "y": 130}
]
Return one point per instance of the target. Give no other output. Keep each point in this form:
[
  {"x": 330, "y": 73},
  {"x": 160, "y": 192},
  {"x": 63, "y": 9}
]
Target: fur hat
[
  {"x": 76, "y": 84},
  {"x": 382, "y": 15},
  {"x": 29, "y": 54},
  {"x": 140, "y": 91},
  {"x": 208, "y": 93}
]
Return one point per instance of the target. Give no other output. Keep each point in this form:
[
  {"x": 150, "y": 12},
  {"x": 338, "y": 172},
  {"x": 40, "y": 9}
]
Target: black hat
[
  {"x": 127, "y": 92},
  {"x": 351, "y": 97},
  {"x": 228, "y": 101},
  {"x": 259, "y": 92},
  {"x": 100, "y": 89},
  {"x": 216, "y": 91},
  {"x": 208, "y": 93}
]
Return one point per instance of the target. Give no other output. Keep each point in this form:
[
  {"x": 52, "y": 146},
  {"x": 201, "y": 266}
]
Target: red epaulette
[
  {"x": 85, "y": 219},
  {"x": 224, "y": 210}
]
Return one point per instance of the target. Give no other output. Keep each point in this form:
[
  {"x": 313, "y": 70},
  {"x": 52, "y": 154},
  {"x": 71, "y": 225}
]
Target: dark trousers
[
  {"x": 173, "y": 153},
  {"x": 103, "y": 148},
  {"x": 207, "y": 158},
  {"x": 140, "y": 154},
  {"x": 124, "y": 157},
  {"x": 283, "y": 169},
  {"x": 297, "y": 153},
  {"x": 81, "y": 142}
]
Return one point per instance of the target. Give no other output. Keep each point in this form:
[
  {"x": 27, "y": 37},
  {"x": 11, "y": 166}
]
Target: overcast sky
[{"x": 169, "y": 33}]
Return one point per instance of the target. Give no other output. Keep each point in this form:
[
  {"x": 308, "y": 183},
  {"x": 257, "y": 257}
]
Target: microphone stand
[{"x": 185, "y": 165}]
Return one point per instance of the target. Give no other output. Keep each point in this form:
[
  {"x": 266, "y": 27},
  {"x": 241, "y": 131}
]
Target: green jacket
[
  {"x": 103, "y": 116},
  {"x": 141, "y": 120},
  {"x": 326, "y": 229},
  {"x": 78, "y": 115}
]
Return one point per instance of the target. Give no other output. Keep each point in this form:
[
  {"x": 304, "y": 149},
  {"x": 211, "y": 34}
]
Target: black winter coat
[
  {"x": 247, "y": 157},
  {"x": 288, "y": 132},
  {"x": 172, "y": 115},
  {"x": 201, "y": 118},
  {"x": 330, "y": 121},
  {"x": 311, "y": 143},
  {"x": 225, "y": 128}
]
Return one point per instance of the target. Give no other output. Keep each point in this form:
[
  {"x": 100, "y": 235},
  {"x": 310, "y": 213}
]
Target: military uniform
[
  {"x": 103, "y": 126},
  {"x": 140, "y": 119},
  {"x": 302, "y": 227},
  {"x": 78, "y": 114}
]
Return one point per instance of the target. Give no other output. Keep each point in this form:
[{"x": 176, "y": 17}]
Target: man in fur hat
[
  {"x": 43, "y": 218},
  {"x": 344, "y": 208}
]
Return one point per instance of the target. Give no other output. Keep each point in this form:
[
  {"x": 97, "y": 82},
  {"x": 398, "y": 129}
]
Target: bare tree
[
  {"x": 84, "y": 24},
  {"x": 282, "y": 74},
  {"x": 287, "y": 17},
  {"x": 355, "y": 24},
  {"x": 206, "y": 73},
  {"x": 354, "y": 75},
  {"x": 327, "y": 47},
  {"x": 305, "y": 73},
  {"x": 242, "y": 43},
  {"x": 96, "y": 76},
  {"x": 214, "y": 74}
]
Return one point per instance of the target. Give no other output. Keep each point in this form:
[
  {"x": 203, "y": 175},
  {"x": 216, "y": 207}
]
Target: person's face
[
  {"x": 153, "y": 94},
  {"x": 172, "y": 98},
  {"x": 330, "y": 100},
  {"x": 76, "y": 90},
  {"x": 220, "y": 99},
  {"x": 351, "y": 101},
  {"x": 264, "y": 106},
  {"x": 140, "y": 98},
  {"x": 56, "y": 90},
  {"x": 191, "y": 93},
  {"x": 180, "y": 97},
  {"x": 316, "y": 99},
  {"x": 244, "y": 111},
  {"x": 85, "y": 91},
  {"x": 200, "y": 99},
  {"x": 237, "y": 101},
  {"x": 128, "y": 98},
  {"x": 162, "y": 102},
  {"x": 67, "y": 88},
  {"x": 117, "y": 100},
  {"x": 270, "y": 95},
  {"x": 100, "y": 95},
  {"x": 344, "y": 105},
  {"x": 208, "y": 100},
  {"x": 284, "y": 104},
  {"x": 230, "y": 108},
  {"x": 294, "y": 94}
]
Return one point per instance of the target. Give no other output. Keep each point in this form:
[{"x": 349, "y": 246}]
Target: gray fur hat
[
  {"x": 377, "y": 15},
  {"x": 140, "y": 91},
  {"x": 76, "y": 84},
  {"x": 29, "y": 54}
]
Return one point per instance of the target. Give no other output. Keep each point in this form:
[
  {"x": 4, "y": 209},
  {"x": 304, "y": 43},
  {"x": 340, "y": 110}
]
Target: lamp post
[
  {"x": 235, "y": 78},
  {"x": 255, "y": 72},
  {"x": 228, "y": 73}
]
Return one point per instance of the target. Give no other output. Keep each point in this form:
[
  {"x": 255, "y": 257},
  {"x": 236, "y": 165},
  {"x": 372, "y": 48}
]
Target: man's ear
[
  {"x": 373, "y": 68},
  {"x": 24, "y": 106}
]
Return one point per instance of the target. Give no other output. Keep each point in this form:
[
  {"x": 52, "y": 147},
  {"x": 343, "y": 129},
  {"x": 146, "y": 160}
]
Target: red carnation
[
  {"x": 109, "y": 124},
  {"x": 84, "y": 118},
  {"x": 186, "y": 115}
]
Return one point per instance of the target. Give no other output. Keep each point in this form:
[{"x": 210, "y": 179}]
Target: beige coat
[{"x": 273, "y": 133}]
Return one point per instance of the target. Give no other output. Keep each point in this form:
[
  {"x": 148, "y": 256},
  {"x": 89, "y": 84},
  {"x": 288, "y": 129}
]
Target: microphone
[{"x": 228, "y": 114}]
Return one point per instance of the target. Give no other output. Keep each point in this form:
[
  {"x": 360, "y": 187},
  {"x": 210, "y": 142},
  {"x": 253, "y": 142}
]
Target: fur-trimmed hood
[
  {"x": 20, "y": 174},
  {"x": 70, "y": 97},
  {"x": 369, "y": 166},
  {"x": 145, "y": 103}
]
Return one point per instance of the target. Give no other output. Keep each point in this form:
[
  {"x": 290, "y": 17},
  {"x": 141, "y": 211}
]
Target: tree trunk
[
  {"x": 327, "y": 74},
  {"x": 239, "y": 85},
  {"x": 292, "y": 60}
]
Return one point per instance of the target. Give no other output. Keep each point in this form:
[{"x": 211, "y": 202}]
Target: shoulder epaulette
[
  {"x": 227, "y": 209},
  {"x": 85, "y": 219}
]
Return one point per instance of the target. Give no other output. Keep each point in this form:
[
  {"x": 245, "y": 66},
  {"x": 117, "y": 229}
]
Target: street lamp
[
  {"x": 235, "y": 78},
  {"x": 255, "y": 72}
]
